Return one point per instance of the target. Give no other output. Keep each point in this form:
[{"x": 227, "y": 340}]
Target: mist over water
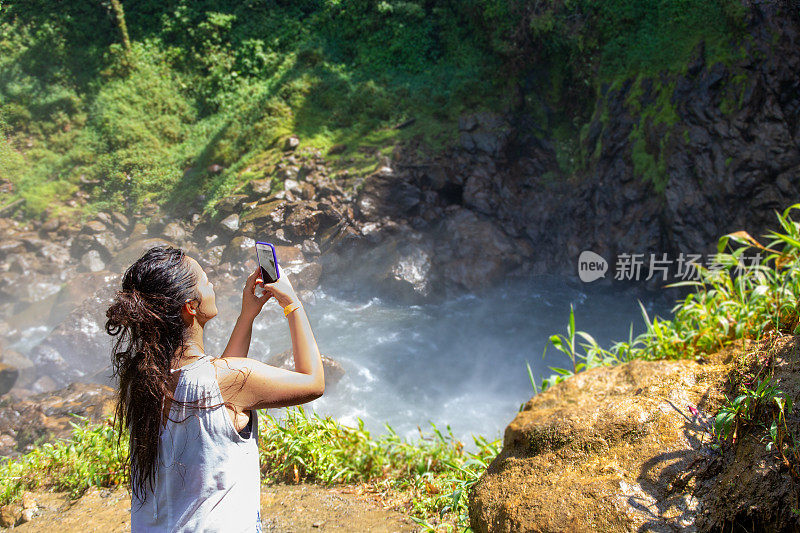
[{"x": 460, "y": 362}]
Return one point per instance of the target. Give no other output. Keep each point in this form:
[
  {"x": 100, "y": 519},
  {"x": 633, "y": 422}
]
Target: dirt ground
[{"x": 284, "y": 508}]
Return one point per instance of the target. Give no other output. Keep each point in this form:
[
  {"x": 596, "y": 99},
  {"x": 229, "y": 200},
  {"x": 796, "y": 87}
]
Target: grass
[
  {"x": 89, "y": 458},
  {"x": 427, "y": 478}
]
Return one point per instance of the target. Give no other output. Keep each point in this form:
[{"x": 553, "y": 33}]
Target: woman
[{"x": 191, "y": 417}]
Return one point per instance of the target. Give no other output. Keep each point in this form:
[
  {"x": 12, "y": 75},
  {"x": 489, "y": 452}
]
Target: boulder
[
  {"x": 386, "y": 195},
  {"x": 630, "y": 448},
  {"x": 264, "y": 218},
  {"x": 11, "y": 247},
  {"x": 303, "y": 222},
  {"x": 174, "y": 232},
  {"x": 291, "y": 143},
  {"x": 75, "y": 290},
  {"x": 79, "y": 343},
  {"x": 104, "y": 243},
  {"x": 8, "y": 377},
  {"x": 472, "y": 252},
  {"x": 239, "y": 250},
  {"x": 230, "y": 205},
  {"x": 303, "y": 275},
  {"x": 48, "y": 416},
  {"x": 92, "y": 262},
  {"x": 230, "y": 224},
  {"x": 26, "y": 372},
  {"x": 485, "y": 132},
  {"x": 258, "y": 188},
  {"x": 133, "y": 251}
]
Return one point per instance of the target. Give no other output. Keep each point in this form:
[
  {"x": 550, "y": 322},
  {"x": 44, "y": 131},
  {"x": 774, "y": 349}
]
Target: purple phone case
[{"x": 274, "y": 257}]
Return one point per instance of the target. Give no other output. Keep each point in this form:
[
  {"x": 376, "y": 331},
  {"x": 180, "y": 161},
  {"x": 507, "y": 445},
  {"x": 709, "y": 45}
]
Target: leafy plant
[{"x": 742, "y": 410}]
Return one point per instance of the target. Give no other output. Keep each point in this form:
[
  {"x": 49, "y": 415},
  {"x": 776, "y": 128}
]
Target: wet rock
[
  {"x": 304, "y": 275},
  {"x": 44, "y": 384},
  {"x": 54, "y": 253},
  {"x": 286, "y": 172},
  {"x": 8, "y": 377},
  {"x": 92, "y": 262},
  {"x": 213, "y": 256},
  {"x": 79, "y": 343},
  {"x": 174, "y": 232},
  {"x": 310, "y": 247},
  {"x": 473, "y": 252},
  {"x": 230, "y": 223},
  {"x": 133, "y": 251},
  {"x": 289, "y": 255},
  {"x": 103, "y": 243},
  {"x": 484, "y": 132},
  {"x": 26, "y": 372},
  {"x": 119, "y": 218},
  {"x": 94, "y": 227},
  {"x": 303, "y": 222},
  {"x": 386, "y": 196},
  {"x": 266, "y": 217},
  {"x": 43, "y": 417},
  {"x": 230, "y": 205},
  {"x": 258, "y": 188},
  {"x": 10, "y": 247},
  {"x": 334, "y": 371},
  {"x": 239, "y": 250}
]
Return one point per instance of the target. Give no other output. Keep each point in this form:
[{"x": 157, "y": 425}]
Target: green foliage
[
  {"x": 435, "y": 472},
  {"x": 743, "y": 409},
  {"x": 218, "y": 83},
  {"x": 432, "y": 475},
  {"x": 736, "y": 297},
  {"x": 90, "y": 458}
]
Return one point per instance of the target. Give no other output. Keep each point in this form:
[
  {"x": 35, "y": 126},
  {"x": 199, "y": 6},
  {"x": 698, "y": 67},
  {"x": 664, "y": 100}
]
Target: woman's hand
[
  {"x": 282, "y": 290},
  {"x": 251, "y": 303}
]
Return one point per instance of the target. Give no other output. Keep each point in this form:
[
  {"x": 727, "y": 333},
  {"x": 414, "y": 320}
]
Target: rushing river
[{"x": 460, "y": 362}]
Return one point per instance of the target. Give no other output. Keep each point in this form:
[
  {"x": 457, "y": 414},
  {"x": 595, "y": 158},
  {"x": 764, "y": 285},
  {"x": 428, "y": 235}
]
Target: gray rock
[
  {"x": 92, "y": 261},
  {"x": 174, "y": 232},
  {"x": 8, "y": 377},
  {"x": 291, "y": 143},
  {"x": 230, "y": 223}
]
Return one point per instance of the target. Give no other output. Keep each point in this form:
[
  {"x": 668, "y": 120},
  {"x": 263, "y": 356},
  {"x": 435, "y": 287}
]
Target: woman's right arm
[{"x": 251, "y": 384}]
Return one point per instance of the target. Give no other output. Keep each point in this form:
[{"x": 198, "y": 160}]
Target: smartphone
[{"x": 267, "y": 261}]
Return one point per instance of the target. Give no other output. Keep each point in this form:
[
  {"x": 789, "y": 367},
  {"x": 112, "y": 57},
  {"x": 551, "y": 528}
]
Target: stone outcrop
[
  {"x": 666, "y": 164},
  {"x": 629, "y": 448}
]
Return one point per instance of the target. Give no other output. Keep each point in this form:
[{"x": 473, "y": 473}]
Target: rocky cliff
[{"x": 667, "y": 163}]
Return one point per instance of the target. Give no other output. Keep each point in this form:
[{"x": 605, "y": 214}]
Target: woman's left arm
[{"x": 239, "y": 343}]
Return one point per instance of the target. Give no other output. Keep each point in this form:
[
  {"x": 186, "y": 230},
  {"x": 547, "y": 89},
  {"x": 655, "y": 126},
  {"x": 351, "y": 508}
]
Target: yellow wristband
[{"x": 291, "y": 307}]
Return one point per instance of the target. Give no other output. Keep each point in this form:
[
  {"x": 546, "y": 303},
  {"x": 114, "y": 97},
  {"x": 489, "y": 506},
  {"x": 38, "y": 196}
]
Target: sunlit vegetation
[
  {"x": 752, "y": 291},
  {"x": 133, "y": 107},
  {"x": 428, "y": 478}
]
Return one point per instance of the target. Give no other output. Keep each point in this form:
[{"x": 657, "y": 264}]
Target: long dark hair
[{"x": 146, "y": 320}]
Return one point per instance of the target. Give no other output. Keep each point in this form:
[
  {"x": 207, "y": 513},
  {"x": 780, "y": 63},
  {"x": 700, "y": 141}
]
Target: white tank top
[{"x": 208, "y": 477}]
